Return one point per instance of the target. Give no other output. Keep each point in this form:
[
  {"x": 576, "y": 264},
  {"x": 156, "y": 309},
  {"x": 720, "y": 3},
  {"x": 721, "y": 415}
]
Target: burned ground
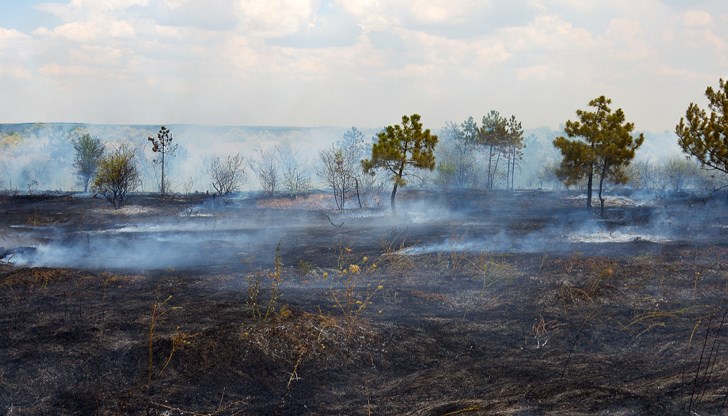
[{"x": 464, "y": 304}]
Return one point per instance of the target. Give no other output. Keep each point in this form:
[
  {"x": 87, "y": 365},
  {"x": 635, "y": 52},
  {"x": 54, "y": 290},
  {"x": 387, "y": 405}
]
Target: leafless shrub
[
  {"x": 227, "y": 174},
  {"x": 295, "y": 181},
  {"x": 267, "y": 169},
  {"x": 340, "y": 168}
]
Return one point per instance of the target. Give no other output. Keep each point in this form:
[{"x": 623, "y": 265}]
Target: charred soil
[{"x": 475, "y": 304}]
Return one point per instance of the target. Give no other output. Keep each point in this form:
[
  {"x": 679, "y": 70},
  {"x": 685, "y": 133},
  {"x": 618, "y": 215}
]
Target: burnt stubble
[{"x": 465, "y": 303}]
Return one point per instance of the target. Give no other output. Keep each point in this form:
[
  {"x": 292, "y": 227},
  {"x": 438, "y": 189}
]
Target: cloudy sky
[{"x": 355, "y": 62}]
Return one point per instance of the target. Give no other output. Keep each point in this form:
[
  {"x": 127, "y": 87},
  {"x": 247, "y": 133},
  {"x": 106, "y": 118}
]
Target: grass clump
[
  {"x": 178, "y": 341},
  {"x": 274, "y": 278},
  {"x": 353, "y": 297}
]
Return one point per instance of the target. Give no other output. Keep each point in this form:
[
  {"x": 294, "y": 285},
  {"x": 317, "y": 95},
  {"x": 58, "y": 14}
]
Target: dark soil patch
[{"x": 356, "y": 326}]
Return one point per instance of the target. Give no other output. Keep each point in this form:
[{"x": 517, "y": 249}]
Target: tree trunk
[
  {"x": 336, "y": 198},
  {"x": 508, "y": 169},
  {"x": 343, "y": 196},
  {"x": 490, "y": 175},
  {"x": 601, "y": 185},
  {"x": 589, "y": 189},
  {"x": 513, "y": 170},
  {"x": 397, "y": 179},
  {"x": 391, "y": 200},
  {"x": 163, "y": 190},
  {"x": 356, "y": 184},
  {"x": 495, "y": 170}
]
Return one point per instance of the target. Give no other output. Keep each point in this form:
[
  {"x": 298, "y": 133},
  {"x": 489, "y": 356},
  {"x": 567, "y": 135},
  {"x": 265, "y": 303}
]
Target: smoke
[
  {"x": 193, "y": 238},
  {"x": 515, "y": 223},
  {"x": 215, "y": 234},
  {"x": 39, "y": 157}
]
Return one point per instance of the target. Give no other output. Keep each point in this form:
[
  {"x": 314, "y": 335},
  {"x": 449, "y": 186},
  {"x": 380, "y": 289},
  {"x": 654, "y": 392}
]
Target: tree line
[{"x": 597, "y": 147}]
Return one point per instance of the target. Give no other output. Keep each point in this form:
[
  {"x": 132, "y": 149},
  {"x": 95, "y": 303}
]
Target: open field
[{"x": 466, "y": 303}]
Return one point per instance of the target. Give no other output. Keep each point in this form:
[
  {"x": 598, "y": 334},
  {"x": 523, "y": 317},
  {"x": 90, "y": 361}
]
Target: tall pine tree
[
  {"x": 399, "y": 149},
  {"x": 602, "y": 145},
  {"x": 706, "y": 136}
]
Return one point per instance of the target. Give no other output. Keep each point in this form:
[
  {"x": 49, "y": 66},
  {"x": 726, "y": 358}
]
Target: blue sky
[
  {"x": 23, "y": 16},
  {"x": 355, "y": 62}
]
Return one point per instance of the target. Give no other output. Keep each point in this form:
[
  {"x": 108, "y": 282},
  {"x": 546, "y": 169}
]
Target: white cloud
[
  {"x": 275, "y": 18},
  {"x": 626, "y": 40},
  {"x": 15, "y": 71},
  {"x": 358, "y": 61},
  {"x": 540, "y": 73},
  {"x": 548, "y": 33},
  {"x": 90, "y": 30},
  {"x": 443, "y": 11},
  {"x": 372, "y": 15},
  {"x": 56, "y": 70},
  {"x": 697, "y": 18},
  {"x": 16, "y": 48},
  {"x": 80, "y": 9},
  {"x": 11, "y": 35}
]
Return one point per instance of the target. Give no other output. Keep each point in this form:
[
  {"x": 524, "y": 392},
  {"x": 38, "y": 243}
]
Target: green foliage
[
  {"x": 456, "y": 165},
  {"x": 606, "y": 147},
  {"x": 89, "y": 151},
  {"x": 7, "y": 143},
  {"x": 399, "y": 148},
  {"x": 706, "y": 136},
  {"x": 116, "y": 176},
  {"x": 578, "y": 160},
  {"x": 502, "y": 139},
  {"x": 10, "y": 140}
]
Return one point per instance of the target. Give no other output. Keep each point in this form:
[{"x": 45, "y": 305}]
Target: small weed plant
[
  {"x": 353, "y": 298},
  {"x": 492, "y": 271},
  {"x": 262, "y": 314},
  {"x": 160, "y": 308}
]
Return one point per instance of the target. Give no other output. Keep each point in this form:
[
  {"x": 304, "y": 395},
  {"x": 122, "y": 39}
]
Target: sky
[{"x": 356, "y": 62}]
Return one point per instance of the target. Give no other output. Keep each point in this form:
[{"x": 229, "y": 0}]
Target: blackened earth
[{"x": 464, "y": 303}]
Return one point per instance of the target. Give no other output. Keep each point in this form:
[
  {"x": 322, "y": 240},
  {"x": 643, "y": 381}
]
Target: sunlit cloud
[{"x": 356, "y": 62}]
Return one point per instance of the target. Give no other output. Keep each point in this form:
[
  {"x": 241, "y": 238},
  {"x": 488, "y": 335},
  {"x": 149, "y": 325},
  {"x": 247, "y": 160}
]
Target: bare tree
[
  {"x": 643, "y": 174},
  {"x": 546, "y": 177},
  {"x": 227, "y": 174},
  {"x": 295, "y": 178},
  {"x": 340, "y": 167},
  {"x": 163, "y": 146},
  {"x": 679, "y": 173},
  {"x": 296, "y": 181},
  {"x": 267, "y": 169},
  {"x": 333, "y": 171}
]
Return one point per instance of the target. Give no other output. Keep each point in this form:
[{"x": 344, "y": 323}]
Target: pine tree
[
  {"x": 163, "y": 145},
  {"x": 607, "y": 147},
  {"x": 706, "y": 136},
  {"x": 400, "y": 148},
  {"x": 493, "y": 135}
]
